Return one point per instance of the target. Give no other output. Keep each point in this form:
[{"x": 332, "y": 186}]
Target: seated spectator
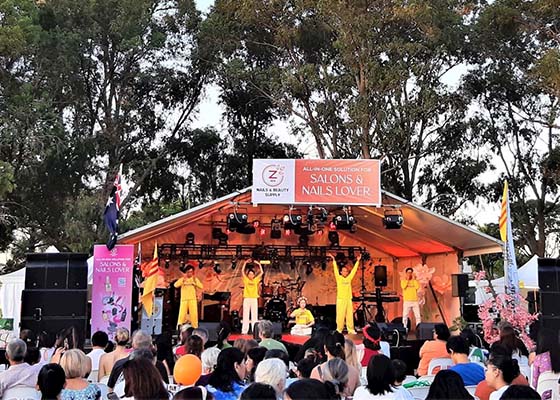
[
  {"x": 509, "y": 339},
  {"x": 307, "y": 389},
  {"x": 184, "y": 335},
  {"x": 226, "y": 382},
  {"x": 305, "y": 366},
  {"x": 520, "y": 392},
  {"x": 265, "y": 335},
  {"x": 19, "y": 373},
  {"x": 258, "y": 391},
  {"x": 380, "y": 378},
  {"x": 433, "y": 348},
  {"x": 46, "y": 346},
  {"x": 209, "y": 360},
  {"x": 194, "y": 393},
  {"x": 372, "y": 343},
  {"x": 547, "y": 356},
  {"x": 316, "y": 342},
  {"x": 334, "y": 347},
  {"x": 472, "y": 373},
  {"x": 195, "y": 345},
  {"x": 500, "y": 372},
  {"x": 335, "y": 375},
  {"x": 245, "y": 344},
  {"x": 272, "y": 372},
  {"x": 351, "y": 355},
  {"x": 399, "y": 368},
  {"x": 142, "y": 381},
  {"x": 304, "y": 319},
  {"x": 252, "y": 360},
  {"x": 475, "y": 353},
  {"x": 447, "y": 385},
  {"x": 29, "y": 337},
  {"x": 224, "y": 329},
  {"x": 76, "y": 366},
  {"x": 50, "y": 381},
  {"x": 98, "y": 342},
  {"x": 108, "y": 360},
  {"x": 203, "y": 334},
  {"x": 33, "y": 356}
]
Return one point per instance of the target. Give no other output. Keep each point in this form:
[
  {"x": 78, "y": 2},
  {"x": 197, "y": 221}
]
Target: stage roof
[{"x": 423, "y": 232}]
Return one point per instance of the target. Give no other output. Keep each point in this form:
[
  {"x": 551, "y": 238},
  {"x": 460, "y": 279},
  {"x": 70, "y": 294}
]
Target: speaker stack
[
  {"x": 55, "y": 294},
  {"x": 549, "y": 285}
]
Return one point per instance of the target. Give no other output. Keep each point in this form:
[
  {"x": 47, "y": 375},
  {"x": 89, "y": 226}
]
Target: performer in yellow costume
[
  {"x": 251, "y": 281},
  {"x": 344, "y": 309},
  {"x": 304, "y": 319},
  {"x": 189, "y": 306}
]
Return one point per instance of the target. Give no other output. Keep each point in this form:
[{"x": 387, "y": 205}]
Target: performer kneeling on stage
[
  {"x": 304, "y": 319},
  {"x": 251, "y": 283},
  {"x": 344, "y": 308},
  {"x": 189, "y": 306}
]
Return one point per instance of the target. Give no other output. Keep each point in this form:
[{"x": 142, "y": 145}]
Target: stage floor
[{"x": 300, "y": 340}]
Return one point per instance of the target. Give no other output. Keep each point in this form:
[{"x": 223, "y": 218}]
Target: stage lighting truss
[
  {"x": 393, "y": 218},
  {"x": 292, "y": 220},
  {"x": 345, "y": 221}
]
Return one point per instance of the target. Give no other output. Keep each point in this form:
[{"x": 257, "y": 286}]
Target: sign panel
[
  {"x": 111, "y": 297},
  {"x": 340, "y": 182}
]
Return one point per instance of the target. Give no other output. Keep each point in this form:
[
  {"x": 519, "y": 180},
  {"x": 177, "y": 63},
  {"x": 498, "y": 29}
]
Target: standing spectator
[
  {"x": 195, "y": 345},
  {"x": 226, "y": 383},
  {"x": 448, "y": 384},
  {"x": 252, "y": 360},
  {"x": 99, "y": 341},
  {"x": 51, "y": 381},
  {"x": 19, "y": 372},
  {"x": 380, "y": 378},
  {"x": 272, "y": 372},
  {"x": 143, "y": 381},
  {"x": 433, "y": 348},
  {"x": 500, "y": 372},
  {"x": 265, "y": 334},
  {"x": 547, "y": 358},
  {"x": 209, "y": 360},
  {"x": 458, "y": 349},
  {"x": 108, "y": 360},
  {"x": 76, "y": 366}
]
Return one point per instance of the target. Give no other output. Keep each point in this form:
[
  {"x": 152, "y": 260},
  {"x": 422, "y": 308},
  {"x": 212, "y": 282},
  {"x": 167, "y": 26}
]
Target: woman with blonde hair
[
  {"x": 351, "y": 354},
  {"x": 76, "y": 366},
  {"x": 108, "y": 360}
]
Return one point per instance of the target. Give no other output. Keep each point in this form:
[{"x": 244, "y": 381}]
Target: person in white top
[
  {"x": 380, "y": 378},
  {"x": 19, "y": 373},
  {"x": 99, "y": 341},
  {"x": 500, "y": 372}
]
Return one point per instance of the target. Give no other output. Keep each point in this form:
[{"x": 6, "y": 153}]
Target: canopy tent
[
  {"x": 425, "y": 238},
  {"x": 528, "y": 280}
]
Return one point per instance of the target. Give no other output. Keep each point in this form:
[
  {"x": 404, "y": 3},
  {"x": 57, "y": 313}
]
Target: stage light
[
  {"x": 292, "y": 221},
  {"x": 304, "y": 240},
  {"x": 287, "y": 232},
  {"x": 262, "y": 231},
  {"x": 167, "y": 263},
  {"x": 239, "y": 222},
  {"x": 200, "y": 264},
  {"x": 217, "y": 268},
  {"x": 393, "y": 219},
  {"x": 275, "y": 229},
  {"x": 233, "y": 263},
  {"x": 334, "y": 239},
  {"x": 256, "y": 224},
  {"x": 351, "y": 254},
  {"x": 332, "y": 226},
  {"x": 189, "y": 239},
  {"x": 319, "y": 232},
  {"x": 308, "y": 267},
  {"x": 345, "y": 221},
  {"x": 324, "y": 265},
  {"x": 182, "y": 266}
]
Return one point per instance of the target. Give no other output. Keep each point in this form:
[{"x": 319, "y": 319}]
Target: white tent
[{"x": 528, "y": 280}]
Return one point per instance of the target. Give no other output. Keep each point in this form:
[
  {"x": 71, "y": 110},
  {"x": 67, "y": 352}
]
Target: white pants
[
  {"x": 301, "y": 330},
  {"x": 415, "y": 308},
  {"x": 250, "y": 314}
]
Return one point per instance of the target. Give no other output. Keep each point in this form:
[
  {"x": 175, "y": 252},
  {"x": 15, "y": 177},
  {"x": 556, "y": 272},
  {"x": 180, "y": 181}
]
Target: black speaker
[
  {"x": 425, "y": 330},
  {"x": 549, "y": 274},
  {"x": 56, "y": 271},
  {"x": 551, "y": 323},
  {"x": 470, "y": 313},
  {"x": 380, "y": 275},
  {"x": 393, "y": 332},
  {"x": 459, "y": 285},
  {"x": 549, "y": 304}
]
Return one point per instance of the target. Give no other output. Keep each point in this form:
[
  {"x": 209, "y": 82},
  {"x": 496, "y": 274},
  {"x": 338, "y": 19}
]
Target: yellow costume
[
  {"x": 303, "y": 317},
  {"x": 189, "y": 304},
  {"x": 344, "y": 309}
]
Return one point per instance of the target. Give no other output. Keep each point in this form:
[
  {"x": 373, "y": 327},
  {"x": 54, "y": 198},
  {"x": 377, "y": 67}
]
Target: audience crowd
[{"x": 327, "y": 366}]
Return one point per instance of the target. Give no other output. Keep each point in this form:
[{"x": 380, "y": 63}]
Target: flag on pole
[
  {"x": 510, "y": 264},
  {"x": 112, "y": 210},
  {"x": 150, "y": 273}
]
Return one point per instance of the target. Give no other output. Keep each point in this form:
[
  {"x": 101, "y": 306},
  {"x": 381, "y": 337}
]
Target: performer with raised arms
[
  {"x": 344, "y": 308},
  {"x": 251, "y": 282}
]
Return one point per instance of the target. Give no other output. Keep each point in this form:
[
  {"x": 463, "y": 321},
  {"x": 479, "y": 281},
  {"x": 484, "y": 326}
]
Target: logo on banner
[
  {"x": 114, "y": 252},
  {"x": 273, "y": 175}
]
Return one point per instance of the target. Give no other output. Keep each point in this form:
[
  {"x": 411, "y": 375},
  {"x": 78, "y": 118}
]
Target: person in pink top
[
  {"x": 547, "y": 358},
  {"x": 433, "y": 348}
]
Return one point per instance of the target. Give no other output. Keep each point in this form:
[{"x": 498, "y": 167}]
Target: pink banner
[{"x": 112, "y": 288}]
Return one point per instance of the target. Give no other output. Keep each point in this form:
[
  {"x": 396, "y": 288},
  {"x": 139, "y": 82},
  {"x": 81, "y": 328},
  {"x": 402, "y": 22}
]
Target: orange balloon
[{"x": 187, "y": 370}]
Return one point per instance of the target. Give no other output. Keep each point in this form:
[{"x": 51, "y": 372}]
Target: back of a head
[
  {"x": 506, "y": 364},
  {"x": 75, "y": 363},
  {"x": 122, "y": 336},
  {"x": 279, "y": 354},
  {"x": 469, "y": 336},
  {"x": 520, "y": 392},
  {"x": 380, "y": 375},
  {"x": 258, "y": 391},
  {"x": 142, "y": 380},
  {"x": 32, "y": 356},
  {"x": 201, "y": 333},
  {"x": 273, "y": 372},
  {"x": 336, "y": 372},
  {"x": 225, "y": 374},
  {"x": 334, "y": 343},
  {"x": 508, "y": 337},
  {"x": 141, "y": 340},
  {"x": 457, "y": 345},
  {"x": 193, "y": 393},
  {"x": 223, "y": 331},
  {"x": 305, "y": 366},
  {"x": 442, "y": 332},
  {"x": 265, "y": 329},
  {"x": 47, "y": 339},
  {"x": 399, "y": 368},
  {"x": 51, "y": 381},
  {"x": 209, "y": 358},
  {"x": 16, "y": 349},
  {"x": 372, "y": 337},
  {"x": 448, "y": 384},
  {"x": 29, "y": 337},
  {"x": 147, "y": 354},
  {"x": 99, "y": 339},
  {"x": 307, "y": 389},
  {"x": 195, "y": 345}
]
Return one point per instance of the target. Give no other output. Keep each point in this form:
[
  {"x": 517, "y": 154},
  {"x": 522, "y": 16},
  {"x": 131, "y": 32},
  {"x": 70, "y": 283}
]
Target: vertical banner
[{"x": 111, "y": 297}]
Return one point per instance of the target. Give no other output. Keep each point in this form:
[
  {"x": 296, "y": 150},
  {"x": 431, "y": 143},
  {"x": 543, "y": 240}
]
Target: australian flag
[{"x": 111, "y": 214}]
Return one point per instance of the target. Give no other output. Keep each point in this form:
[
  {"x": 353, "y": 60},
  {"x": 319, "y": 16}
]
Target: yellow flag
[
  {"x": 504, "y": 214},
  {"x": 150, "y": 284}
]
